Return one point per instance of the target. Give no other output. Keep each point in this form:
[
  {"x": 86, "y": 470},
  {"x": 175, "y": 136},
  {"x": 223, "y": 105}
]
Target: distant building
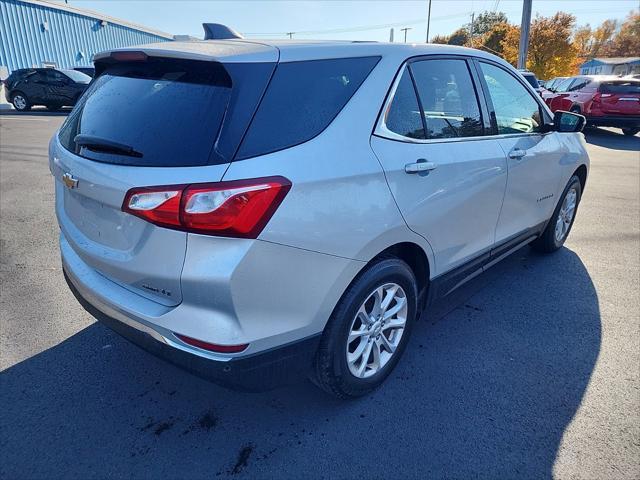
[
  {"x": 41, "y": 33},
  {"x": 611, "y": 66}
]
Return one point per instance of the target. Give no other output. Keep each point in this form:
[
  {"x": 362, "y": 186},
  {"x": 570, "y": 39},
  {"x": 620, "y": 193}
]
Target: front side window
[
  {"x": 448, "y": 98},
  {"x": 515, "y": 108},
  {"x": 403, "y": 116}
]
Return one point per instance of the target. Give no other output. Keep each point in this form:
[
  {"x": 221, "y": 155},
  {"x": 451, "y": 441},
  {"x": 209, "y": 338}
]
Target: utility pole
[
  {"x": 405, "y": 29},
  {"x": 391, "y": 35},
  {"x": 290, "y": 35},
  {"x": 524, "y": 34},
  {"x": 428, "y": 20},
  {"x": 473, "y": 17}
]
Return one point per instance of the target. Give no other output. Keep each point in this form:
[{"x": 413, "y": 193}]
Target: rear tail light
[
  {"x": 238, "y": 208},
  {"x": 212, "y": 347}
]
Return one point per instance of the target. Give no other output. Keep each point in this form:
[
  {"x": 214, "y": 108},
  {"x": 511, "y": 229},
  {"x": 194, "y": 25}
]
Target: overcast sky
[{"x": 350, "y": 20}]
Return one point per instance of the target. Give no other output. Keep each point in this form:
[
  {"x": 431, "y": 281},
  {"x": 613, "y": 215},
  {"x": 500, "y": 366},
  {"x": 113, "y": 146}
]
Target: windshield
[
  {"x": 563, "y": 86},
  {"x": 78, "y": 77}
]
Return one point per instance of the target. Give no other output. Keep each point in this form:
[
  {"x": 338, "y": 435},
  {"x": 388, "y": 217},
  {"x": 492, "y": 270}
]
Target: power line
[{"x": 360, "y": 28}]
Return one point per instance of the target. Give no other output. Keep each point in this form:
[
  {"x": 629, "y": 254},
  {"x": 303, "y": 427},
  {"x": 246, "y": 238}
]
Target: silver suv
[{"x": 259, "y": 212}]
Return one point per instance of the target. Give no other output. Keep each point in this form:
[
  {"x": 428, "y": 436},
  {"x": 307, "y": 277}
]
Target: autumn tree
[
  {"x": 602, "y": 37},
  {"x": 442, "y": 39},
  {"x": 625, "y": 42},
  {"x": 492, "y": 40},
  {"x": 551, "y": 51},
  {"x": 583, "y": 41},
  {"x": 459, "y": 37}
]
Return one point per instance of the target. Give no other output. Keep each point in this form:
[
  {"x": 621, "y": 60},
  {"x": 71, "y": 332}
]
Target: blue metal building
[
  {"x": 37, "y": 33},
  {"x": 611, "y": 66}
]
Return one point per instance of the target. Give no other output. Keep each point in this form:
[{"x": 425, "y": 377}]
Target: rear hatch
[
  {"x": 620, "y": 97},
  {"x": 146, "y": 121}
]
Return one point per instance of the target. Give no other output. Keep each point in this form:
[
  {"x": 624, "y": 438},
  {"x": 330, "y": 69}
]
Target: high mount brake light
[
  {"x": 129, "y": 56},
  {"x": 239, "y": 208}
]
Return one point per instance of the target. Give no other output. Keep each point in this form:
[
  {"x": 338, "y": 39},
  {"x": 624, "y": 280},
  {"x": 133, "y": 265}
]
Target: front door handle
[
  {"x": 517, "y": 153},
  {"x": 421, "y": 166}
]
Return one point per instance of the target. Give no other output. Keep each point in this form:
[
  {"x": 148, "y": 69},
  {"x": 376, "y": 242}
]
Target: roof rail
[{"x": 217, "y": 31}]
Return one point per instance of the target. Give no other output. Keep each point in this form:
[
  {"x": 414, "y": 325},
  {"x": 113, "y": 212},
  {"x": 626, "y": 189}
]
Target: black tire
[
  {"x": 331, "y": 372},
  {"x": 547, "y": 241},
  {"x": 630, "y": 132},
  {"x": 20, "y": 102}
]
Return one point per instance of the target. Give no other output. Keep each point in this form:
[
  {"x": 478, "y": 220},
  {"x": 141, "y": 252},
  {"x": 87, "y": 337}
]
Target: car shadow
[
  {"x": 612, "y": 139},
  {"x": 491, "y": 379},
  {"x": 36, "y": 112}
]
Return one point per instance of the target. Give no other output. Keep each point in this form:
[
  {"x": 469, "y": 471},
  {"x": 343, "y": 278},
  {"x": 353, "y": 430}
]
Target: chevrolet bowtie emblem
[{"x": 69, "y": 180}]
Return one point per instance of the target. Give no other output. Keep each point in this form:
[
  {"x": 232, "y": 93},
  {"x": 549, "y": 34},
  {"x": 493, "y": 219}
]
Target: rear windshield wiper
[{"x": 100, "y": 144}]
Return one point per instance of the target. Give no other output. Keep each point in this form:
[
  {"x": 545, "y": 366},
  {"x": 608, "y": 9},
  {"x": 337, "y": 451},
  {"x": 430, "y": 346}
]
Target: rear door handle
[
  {"x": 517, "y": 153},
  {"x": 421, "y": 166}
]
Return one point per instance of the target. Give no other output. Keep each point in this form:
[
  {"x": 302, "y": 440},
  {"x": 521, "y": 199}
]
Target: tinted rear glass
[
  {"x": 302, "y": 99},
  {"x": 620, "y": 87},
  {"x": 168, "y": 111}
]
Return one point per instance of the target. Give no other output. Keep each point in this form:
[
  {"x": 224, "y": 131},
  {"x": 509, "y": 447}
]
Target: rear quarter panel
[{"x": 340, "y": 203}]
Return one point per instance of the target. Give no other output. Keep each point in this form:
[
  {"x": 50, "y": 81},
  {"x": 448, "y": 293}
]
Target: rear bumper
[
  {"x": 258, "y": 372},
  {"x": 618, "y": 121}
]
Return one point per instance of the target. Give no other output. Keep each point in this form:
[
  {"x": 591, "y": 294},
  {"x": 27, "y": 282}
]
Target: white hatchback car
[{"x": 259, "y": 211}]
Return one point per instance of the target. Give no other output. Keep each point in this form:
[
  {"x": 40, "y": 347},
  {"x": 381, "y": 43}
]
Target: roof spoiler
[{"x": 217, "y": 31}]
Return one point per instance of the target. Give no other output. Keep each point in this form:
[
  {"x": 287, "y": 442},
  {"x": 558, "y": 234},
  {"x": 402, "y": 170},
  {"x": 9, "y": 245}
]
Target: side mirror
[{"x": 568, "y": 121}]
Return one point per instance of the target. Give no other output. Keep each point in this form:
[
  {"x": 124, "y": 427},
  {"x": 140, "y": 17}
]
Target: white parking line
[{"x": 15, "y": 117}]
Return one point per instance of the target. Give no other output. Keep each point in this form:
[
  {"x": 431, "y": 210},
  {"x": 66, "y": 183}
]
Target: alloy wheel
[
  {"x": 566, "y": 214},
  {"x": 376, "y": 330},
  {"x": 19, "y": 102}
]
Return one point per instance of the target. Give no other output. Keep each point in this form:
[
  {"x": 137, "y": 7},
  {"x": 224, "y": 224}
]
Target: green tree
[{"x": 486, "y": 21}]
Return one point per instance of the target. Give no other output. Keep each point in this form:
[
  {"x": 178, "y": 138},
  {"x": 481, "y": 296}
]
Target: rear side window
[
  {"x": 403, "y": 117},
  {"x": 163, "y": 112},
  {"x": 448, "y": 98},
  {"x": 620, "y": 87},
  {"x": 302, "y": 99}
]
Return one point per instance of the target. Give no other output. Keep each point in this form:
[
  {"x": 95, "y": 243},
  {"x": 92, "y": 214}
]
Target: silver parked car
[{"x": 257, "y": 212}]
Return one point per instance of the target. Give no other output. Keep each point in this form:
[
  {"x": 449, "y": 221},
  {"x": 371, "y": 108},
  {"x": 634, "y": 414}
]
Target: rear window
[
  {"x": 163, "y": 112},
  {"x": 620, "y": 87},
  {"x": 302, "y": 99}
]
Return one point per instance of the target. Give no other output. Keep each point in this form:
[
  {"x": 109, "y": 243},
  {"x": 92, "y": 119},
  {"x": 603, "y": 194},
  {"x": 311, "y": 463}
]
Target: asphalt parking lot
[{"x": 530, "y": 371}]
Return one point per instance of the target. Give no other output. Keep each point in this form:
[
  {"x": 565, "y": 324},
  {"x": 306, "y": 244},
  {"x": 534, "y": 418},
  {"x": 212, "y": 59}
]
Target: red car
[{"x": 605, "y": 101}]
